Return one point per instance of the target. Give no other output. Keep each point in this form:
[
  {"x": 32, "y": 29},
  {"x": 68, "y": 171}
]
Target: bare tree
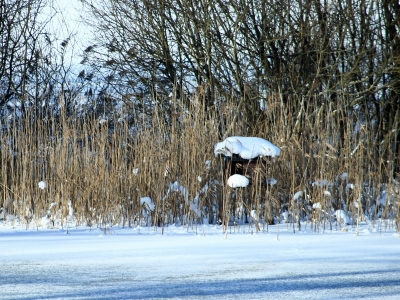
[
  {"x": 20, "y": 32},
  {"x": 342, "y": 54}
]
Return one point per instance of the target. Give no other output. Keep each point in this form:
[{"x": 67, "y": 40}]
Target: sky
[{"x": 70, "y": 12}]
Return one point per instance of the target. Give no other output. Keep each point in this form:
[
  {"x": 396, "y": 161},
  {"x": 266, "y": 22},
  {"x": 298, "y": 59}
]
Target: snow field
[{"x": 139, "y": 263}]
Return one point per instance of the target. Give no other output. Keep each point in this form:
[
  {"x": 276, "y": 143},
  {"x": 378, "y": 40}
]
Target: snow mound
[
  {"x": 44, "y": 222},
  {"x": 237, "y": 180},
  {"x": 327, "y": 193},
  {"x": 298, "y": 195},
  {"x": 148, "y": 203},
  {"x": 320, "y": 183},
  {"x": 246, "y": 147},
  {"x": 341, "y": 217},
  {"x": 317, "y": 205}
]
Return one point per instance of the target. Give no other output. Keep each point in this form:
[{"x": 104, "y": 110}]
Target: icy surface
[
  {"x": 140, "y": 263},
  {"x": 246, "y": 147}
]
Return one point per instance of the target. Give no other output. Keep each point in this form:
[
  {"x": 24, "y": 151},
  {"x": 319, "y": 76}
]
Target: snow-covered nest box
[{"x": 242, "y": 154}]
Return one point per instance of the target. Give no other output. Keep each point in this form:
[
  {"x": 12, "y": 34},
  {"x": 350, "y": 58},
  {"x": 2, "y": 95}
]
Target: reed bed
[{"x": 160, "y": 169}]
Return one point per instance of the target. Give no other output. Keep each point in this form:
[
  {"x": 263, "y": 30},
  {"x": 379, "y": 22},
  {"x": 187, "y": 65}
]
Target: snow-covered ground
[{"x": 135, "y": 263}]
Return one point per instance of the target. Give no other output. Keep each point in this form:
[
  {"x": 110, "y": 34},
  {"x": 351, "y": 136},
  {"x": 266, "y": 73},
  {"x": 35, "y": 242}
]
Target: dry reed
[{"x": 98, "y": 170}]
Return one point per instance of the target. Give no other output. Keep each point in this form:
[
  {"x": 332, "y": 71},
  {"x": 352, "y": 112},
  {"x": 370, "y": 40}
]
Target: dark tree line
[
  {"x": 305, "y": 47},
  {"x": 310, "y": 52}
]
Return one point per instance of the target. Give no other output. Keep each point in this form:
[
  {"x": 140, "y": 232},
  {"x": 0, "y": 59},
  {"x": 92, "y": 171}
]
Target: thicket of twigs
[
  {"x": 157, "y": 171},
  {"x": 127, "y": 136}
]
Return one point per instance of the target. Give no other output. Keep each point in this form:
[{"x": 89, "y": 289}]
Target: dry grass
[{"x": 97, "y": 172}]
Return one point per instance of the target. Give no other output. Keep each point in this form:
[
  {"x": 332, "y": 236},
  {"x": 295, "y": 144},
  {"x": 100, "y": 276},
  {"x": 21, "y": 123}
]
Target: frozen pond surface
[{"x": 128, "y": 264}]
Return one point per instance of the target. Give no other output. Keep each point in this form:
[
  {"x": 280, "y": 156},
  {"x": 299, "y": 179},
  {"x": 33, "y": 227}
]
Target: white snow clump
[
  {"x": 44, "y": 222},
  {"x": 298, "y": 195},
  {"x": 341, "y": 217},
  {"x": 70, "y": 209},
  {"x": 238, "y": 180},
  {"x": 254, "y": 215},
  {"x": 320, "y": 183},
  {"x": 42, "y": 185},
  {"x": 177, "y": 187},
  {"x": 103, "y": 120},
  {"x": 148, "y": 203},
  {"x": 356, "y": 204},
  {"x": 317, "y": 205}
]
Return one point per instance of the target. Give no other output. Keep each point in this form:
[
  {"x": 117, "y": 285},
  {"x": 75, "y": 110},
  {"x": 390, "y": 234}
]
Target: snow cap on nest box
[{"x": 246, "y": 147}]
